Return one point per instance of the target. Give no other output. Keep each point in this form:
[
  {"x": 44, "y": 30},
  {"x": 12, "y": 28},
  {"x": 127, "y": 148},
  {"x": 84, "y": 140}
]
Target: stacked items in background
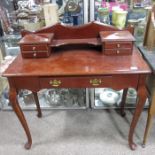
[{"x": 122, "y": 13}]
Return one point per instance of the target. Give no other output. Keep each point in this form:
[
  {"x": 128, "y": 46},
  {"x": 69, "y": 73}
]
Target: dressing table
[{"x": 77, "y": 61}]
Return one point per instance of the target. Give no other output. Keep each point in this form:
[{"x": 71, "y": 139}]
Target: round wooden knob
[
  {"x": 33, "y": 48},
  {"x": 34, "y": 54},
  {"x": 118, "y": 45},
  {"x": 118, "y": 51}
]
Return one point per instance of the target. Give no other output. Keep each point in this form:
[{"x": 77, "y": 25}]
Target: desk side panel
[{"x": 30, "y": 83}]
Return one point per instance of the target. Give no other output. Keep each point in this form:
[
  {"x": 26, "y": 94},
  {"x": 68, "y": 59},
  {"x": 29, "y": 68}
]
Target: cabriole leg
[
  {"x": 142, "y": 94},
  {"x": 123, "y": 102},
  {"x": 37, "y": 104},
  {"x": 20, "y": 115}
]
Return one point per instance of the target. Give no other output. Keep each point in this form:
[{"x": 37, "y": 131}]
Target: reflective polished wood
[{"x": 76, "y": 67}]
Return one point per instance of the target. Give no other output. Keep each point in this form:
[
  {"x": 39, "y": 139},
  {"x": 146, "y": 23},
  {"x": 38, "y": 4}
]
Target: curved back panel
[{"x": 90, "y": 30}]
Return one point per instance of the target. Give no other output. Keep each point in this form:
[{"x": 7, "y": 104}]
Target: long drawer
[
  {"x": 31, "y": 47},
  {"x": 115, "y": 81}
]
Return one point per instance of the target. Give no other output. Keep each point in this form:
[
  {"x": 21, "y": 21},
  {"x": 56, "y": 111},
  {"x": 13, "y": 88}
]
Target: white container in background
[{"x": 51, "y": 14}]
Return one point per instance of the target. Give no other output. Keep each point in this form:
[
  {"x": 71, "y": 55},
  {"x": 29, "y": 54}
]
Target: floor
[{"x": 73, "y": 132}]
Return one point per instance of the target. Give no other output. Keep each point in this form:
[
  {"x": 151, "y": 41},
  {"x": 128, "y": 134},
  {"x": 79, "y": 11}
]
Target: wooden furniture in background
[
  {"x": 78, "y": 66},
  {"x": 149, "y": 37}
]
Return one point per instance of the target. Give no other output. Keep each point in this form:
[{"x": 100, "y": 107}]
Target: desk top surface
[{"x": 81, "y": 62}]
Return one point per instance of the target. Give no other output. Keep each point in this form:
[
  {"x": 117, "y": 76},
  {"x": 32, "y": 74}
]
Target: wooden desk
[{"x": 79, "y": 68}]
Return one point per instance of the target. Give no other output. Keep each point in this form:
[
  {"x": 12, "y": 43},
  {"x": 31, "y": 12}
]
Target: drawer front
[
  {"x": 35, "y": 54},
  {"x": 113, "y": 45},
  {"x": 118, "y": 51},
  {"x": 116, "y": 82},
  {"x": 30, "y": 83},
  {"x": 34, "y": 47}
]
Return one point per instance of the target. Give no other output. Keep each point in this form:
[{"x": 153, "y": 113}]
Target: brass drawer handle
[
  {"x": 95, "y": 82},
  {"x": 55, "y": 83}
]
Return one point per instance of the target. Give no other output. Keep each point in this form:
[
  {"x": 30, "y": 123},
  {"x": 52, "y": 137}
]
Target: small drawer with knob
[
  {"x": 36, "y": 45},
  {"x": 114, "y": 45},
  {"x": 117, "y": 42},
  {"x": 35, "y": 51},
  {"x": 117, "y": 51}
]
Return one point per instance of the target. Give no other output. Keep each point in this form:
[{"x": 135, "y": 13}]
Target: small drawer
[
  {"x": 112, "y": 45},
  {"x": 35, "y": 54},
  {"x": 34, "y": 47},
  {"x": 118, "y": 51}
]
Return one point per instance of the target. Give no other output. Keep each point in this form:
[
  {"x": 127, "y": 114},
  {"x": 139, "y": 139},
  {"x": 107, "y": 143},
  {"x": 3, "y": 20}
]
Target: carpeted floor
[{"x": 73, "y": 132}]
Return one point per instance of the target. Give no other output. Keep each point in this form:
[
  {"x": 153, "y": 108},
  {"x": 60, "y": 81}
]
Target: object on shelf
[
  {"x": 4, "y": 63},
  {"x": 114, "y": 3},
  {"x": 109, "y": 96},
  {"x": 11, "y": 40},
  {"x": 4, "y": 20},
  {"x": 73, "y": 7},
  {"x": 119, "y": 18},
  {"x": 149, "y": 37},
  {"x": 67, "y": 19},
  {"x": 36, "y": 45},
  {"x": 51, "y": 14},
  {"x": 117, "y": 42},
  {"x": 3, "y": 84},
  {"x": 66, "y": 97},
  {"x": 142, "y": 3},
  {"x": 116, "y": 8},
  {"x": 71, "y": 10},
  {"x": 75, "y": 19},
  {"x": 4, "y": 98},
  {"x": 105, "y": 98},
  {"x": 104, "y": 15},
  {"x": 1, "y": 56},
  {"x": 50, "y": 99},
  {"x": 27, "y": 15},
  {"x": 138, "y": 19},
  {"x": 131, "y": 96}
]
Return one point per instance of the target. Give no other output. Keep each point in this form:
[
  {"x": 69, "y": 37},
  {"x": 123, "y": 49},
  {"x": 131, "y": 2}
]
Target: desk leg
[
  {"x": 37, "y": 104},
  {"x": 123, "y": 102},
  {"x": 20, "y": 115},
  {"x": 142, "y": 94}
]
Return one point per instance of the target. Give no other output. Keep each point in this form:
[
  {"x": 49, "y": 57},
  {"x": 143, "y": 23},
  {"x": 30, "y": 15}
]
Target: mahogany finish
[
  {"x": 80, "y": 67},
  {"x": 90, "y": 30},
  {"x": 36, "y": 45},
  {"x": 88, "y": 34},
  {"x": 73, "y": 62},
  {"x": 117, "y": 42}
]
